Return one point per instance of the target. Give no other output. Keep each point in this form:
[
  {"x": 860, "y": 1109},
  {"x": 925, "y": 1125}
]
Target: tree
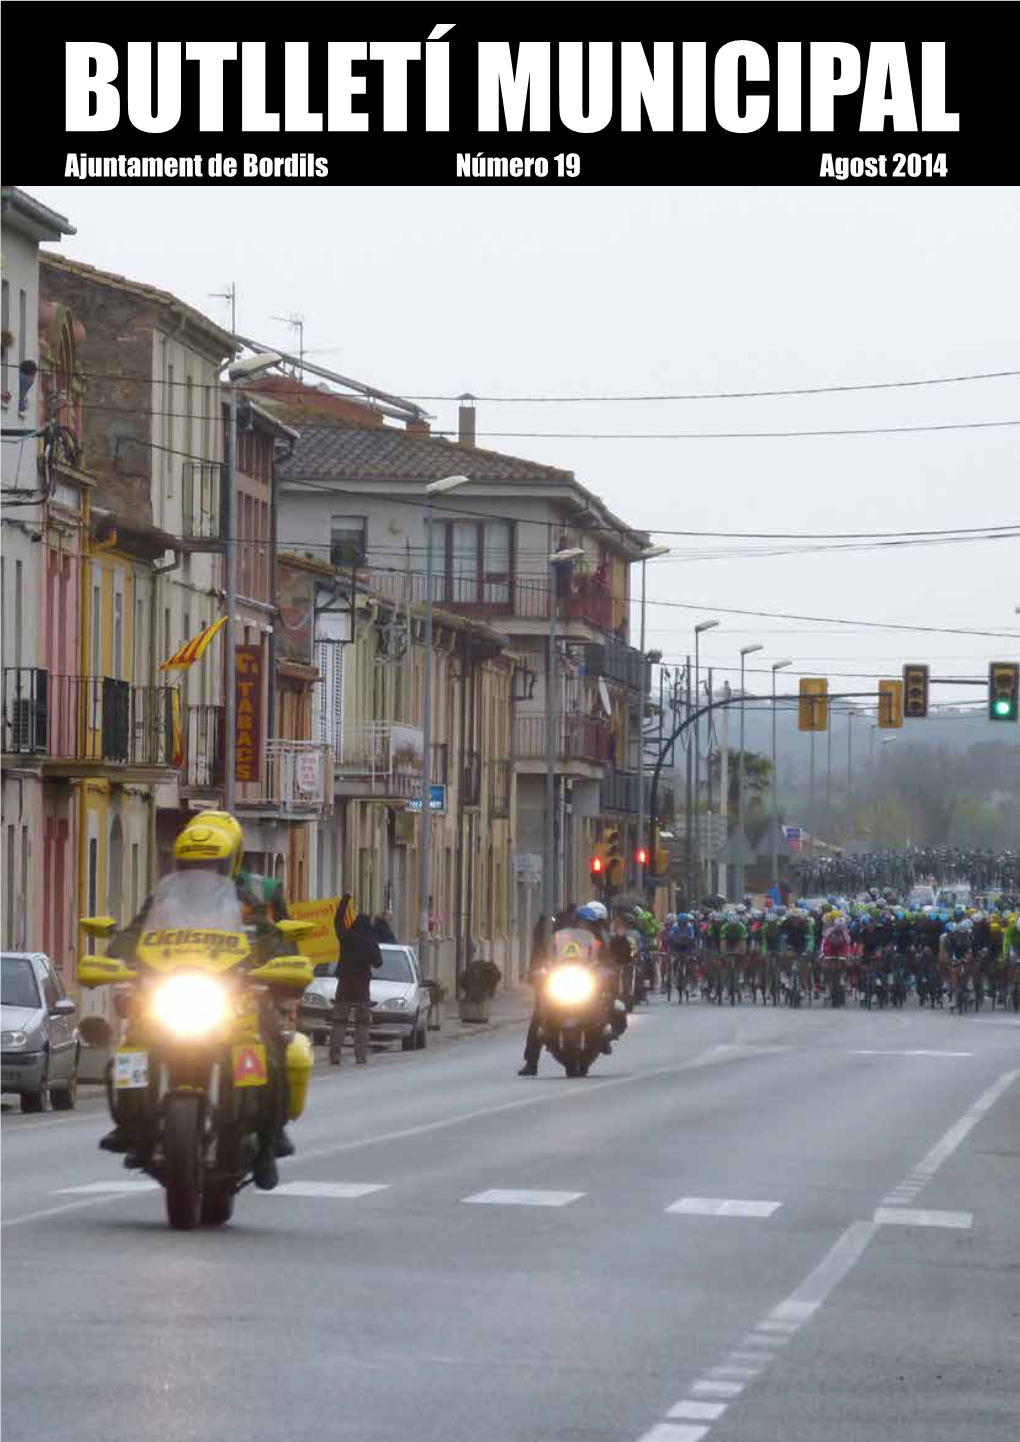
[{"x": 757, "y": 779}]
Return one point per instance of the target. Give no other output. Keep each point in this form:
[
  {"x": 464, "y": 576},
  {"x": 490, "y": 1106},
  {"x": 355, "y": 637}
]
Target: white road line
[
  {"x": 508, "y": 1198},
  {"x": 718, "y": 1389},
  {"x": 914, "y": 1052},
  {"x": 326, "y": 1189},
  {"x": 672, "y": 1432},
  {"x": 812, "y": 1292},
  {"x": 721, "y": 1207},
  {"x": 947, "y": 1145},
  {"x": 691, "y": 1411},
  {"x": 67, "y": 1207},
  {"x": 758, "y": 1339},
  {"x": 735, "y": 1374},
  {"x": 100, "y": 1187},
  {"x": 915, "y": 1217}
]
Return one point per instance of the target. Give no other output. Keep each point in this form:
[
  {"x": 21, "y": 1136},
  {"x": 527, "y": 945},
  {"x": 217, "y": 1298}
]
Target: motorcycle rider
[{"x": 212, "y": 841}]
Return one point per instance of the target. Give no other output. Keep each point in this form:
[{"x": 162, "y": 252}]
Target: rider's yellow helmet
[{"x": 213, "y": 839}]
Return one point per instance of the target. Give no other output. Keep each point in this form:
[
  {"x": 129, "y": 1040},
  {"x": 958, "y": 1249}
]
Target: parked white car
[
  {"x": 400, "y": 1000},
  {"x": 39, "y": 1045}
]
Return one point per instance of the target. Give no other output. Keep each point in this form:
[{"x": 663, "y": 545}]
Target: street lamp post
[
  {"x": 701, "y": 626},
  {"x": 434, "y": 488},
  {"x": 646, "y": 555},
  {"x": 745, "y": 651},
  {"x": 776, "y": 666},
  {"x": 241, "y": 370},
  {"x": 552, "y": 718}
]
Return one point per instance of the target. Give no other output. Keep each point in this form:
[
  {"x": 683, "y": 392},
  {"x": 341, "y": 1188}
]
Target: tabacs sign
[{"x": 247, "y": 713}]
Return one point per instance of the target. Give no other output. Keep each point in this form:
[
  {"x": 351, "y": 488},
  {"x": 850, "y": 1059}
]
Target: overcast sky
[{"x": 436, "y": 291}]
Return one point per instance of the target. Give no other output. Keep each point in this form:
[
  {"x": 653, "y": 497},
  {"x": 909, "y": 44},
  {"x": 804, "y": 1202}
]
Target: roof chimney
[{"x": 466, "y": 420}]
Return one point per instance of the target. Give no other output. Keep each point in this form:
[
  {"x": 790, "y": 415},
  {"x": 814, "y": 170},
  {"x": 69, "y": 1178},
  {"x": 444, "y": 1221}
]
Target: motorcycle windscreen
[{"x": 195, "y": 919}]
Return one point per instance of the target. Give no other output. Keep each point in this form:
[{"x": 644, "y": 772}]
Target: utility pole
[
  {"x": 689, "y": 853},
  {"x": 722, "y": 881}
]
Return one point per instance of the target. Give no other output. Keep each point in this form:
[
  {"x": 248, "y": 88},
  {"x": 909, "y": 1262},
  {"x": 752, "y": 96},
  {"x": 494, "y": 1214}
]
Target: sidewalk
[{"x": 511, "y": 1006}]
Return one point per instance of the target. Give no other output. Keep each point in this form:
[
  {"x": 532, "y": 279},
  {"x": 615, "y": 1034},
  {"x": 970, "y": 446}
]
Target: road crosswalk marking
[
  {"x": 918, "y": 1217},
  {"x": 97, "y": 1187},
  {"x": 326, "y": 1189},
  {"x": 722, "y": 1207},
  {"x": 504, "y": 1198}
]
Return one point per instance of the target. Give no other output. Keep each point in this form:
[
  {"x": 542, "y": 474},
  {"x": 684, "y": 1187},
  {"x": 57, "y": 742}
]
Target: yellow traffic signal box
[
  {"x": 890, "y": 704},
  {"x": 1003, "y": 691},
  {"x": 813, "y": 706}
]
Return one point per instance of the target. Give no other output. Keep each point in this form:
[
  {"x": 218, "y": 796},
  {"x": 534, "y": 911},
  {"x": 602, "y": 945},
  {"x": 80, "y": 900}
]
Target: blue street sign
[{"x": 437, "y": 800}]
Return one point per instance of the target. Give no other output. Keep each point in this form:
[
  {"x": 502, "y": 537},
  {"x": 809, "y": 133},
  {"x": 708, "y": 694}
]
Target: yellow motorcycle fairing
[
  {"x": 197, "y": 948},
  {"x": 103, "y": 971},
  {"x": 299, "y": 1072},
  {"x": 292, "y": 972}
]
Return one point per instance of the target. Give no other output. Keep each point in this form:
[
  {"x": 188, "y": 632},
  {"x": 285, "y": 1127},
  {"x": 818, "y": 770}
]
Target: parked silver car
[
  {"x": 39, "y": 1043},
  {"x": 400, "y": 1000}
]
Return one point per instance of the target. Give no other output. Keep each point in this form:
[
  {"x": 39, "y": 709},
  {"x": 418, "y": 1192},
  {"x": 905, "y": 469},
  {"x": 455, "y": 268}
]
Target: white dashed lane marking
[
  {"x": 503, "y": 1198},
  {"x": 691, "y": 1411},
  {"x": 721, "y": 1207},
  {"x": 917, "y": 1217},
  {"x": 760, "y": 1347}
]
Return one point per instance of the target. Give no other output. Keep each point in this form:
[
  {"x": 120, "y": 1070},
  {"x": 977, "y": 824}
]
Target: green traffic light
[{"x": 1003, "y": 706}]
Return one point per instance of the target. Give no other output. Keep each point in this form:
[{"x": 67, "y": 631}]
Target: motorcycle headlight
[
  {"x": 571, "y": 985},
  {"x": 13, "y": 1040},
  {"x": 190, "y": 1004}
]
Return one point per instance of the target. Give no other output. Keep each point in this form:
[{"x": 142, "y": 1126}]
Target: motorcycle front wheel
[{"x": 185, "y": 1167}]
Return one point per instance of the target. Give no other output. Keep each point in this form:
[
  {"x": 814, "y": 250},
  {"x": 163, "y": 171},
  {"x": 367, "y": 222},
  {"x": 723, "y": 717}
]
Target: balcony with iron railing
[
  {"x": 299, "y": 776},
  {"x": 79, "y": 725},
  {"x": 204, "y": 748},
  {"x": 580, "y": 738},
  {"x": 526, "y": 598},
  {"x": 380, "y": 758},
  {"x": 500, "y": 789},
  {"x": 619, "y": 663}
]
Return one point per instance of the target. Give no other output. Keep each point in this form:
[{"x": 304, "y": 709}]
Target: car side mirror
[{"x": 64, "y": 1007}]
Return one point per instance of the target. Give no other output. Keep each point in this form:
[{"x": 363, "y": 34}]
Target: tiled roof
[
  {"x": 386, "y": 453},
  {"x": 144, "y": 291}
]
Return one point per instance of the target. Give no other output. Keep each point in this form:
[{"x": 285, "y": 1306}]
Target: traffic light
[
  {"x": 613, "y": 851},
  {"x": 1003, "y": 691},
  {"x": 890, "y": 704},
  {"x": 598, "y": 869},
  {"x": 813, "y": 707},
  {"x": 641, "y": 856},
  {"x": 915, "y": 691}
]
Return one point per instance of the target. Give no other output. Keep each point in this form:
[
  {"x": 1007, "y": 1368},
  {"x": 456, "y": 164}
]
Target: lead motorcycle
[
  {"x": 191, "y": 1084},
  {"x": 576, "y": 1017}
]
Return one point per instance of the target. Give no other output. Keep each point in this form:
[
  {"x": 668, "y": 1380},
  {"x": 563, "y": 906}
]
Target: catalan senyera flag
[
  {"x": 193, "y": 650},
  {"x": 176, "y": 730}
]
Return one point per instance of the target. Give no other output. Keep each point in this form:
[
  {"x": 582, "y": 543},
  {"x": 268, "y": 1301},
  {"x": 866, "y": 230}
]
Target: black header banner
[{"x": 710, "y": 94}]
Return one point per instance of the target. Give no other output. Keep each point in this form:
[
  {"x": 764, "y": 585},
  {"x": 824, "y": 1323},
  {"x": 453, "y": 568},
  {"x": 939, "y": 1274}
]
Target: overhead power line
[
  {"x": 723, "y": 395},
  {"x": 738, "y": 435}
]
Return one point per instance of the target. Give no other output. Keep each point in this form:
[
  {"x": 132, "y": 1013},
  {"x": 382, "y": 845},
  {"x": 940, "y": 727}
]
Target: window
[
  {"x": 19, "y": 986},
  {"x": 187, "y": 674},
  {"x": 168, "y": 431},
  {"x": 90, "y": 944},
  {"x": 23, "y": 908},
  {"x": 473, "y": 563},
  {"x": 22, "y": 337},
  {"x": 18, "y": 618},
  {"x": 167, "y": 648},
  {"x": 135, "y": 879},
  {"x": 5, "y": 322},
  {"x": 139, "y": 639},
  {"x": 10, "y": 909},
  {"x": 97, "y": 609},
  {"x": 118, "y": 634},
  {"x": 348, "y": 540},
  {"x": 49, "y": 989}
]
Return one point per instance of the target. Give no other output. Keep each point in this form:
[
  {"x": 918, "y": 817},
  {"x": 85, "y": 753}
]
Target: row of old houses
[{"x": 114, "y": 531}]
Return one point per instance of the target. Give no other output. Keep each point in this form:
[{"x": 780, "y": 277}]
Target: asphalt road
[{"x": 744, "y": 1224}]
